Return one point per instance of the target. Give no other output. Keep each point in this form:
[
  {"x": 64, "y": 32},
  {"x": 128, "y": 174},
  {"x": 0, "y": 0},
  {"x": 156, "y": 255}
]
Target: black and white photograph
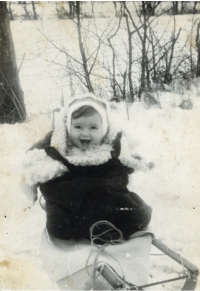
[{"x": 99, "y": 145}]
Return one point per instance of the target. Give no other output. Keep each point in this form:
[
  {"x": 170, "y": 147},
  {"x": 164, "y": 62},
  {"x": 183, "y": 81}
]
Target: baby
[
  {"x": 87, "y": 128},
  {"x": 82, "y": 169}
]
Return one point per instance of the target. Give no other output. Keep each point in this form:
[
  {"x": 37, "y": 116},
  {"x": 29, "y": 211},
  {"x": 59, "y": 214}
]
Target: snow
[{"x": 168, "y": 137}]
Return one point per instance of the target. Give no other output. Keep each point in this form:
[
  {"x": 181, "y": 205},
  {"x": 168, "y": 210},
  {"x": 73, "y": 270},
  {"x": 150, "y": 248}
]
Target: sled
[{"x": 80, "y": 266}]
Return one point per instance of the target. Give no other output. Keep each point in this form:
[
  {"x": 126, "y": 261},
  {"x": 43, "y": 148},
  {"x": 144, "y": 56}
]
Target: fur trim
[
  {"x": 92, "y": 157},
  {"x": 40, "y": 168},
  {"x": 136, "y": 162},
  {"x": 60, "y": 139}
]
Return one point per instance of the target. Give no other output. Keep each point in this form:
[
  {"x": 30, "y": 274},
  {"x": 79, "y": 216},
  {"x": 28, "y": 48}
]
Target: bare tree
[
  {"x": 133, "y": 42},
  {"x": 141, "y": 30},
  {"x": 27, "y": 14},
  {"x": 12, "y": 108},
  {"x": 82, "y": 50},
  {"x": 82, "y": 63},
  {"x": 174, "y": 38},
  {"x": 10, "y": 11},
  {"x": 130, "y": 54},
  {"x": 182, "y": 7},
  {"x": 194, "y": 9},
  {"x": 113, "y": 78},
  {"x": 175, "y": 7},
  {"x": 72, "y": 9},
  {"x": 151, "y": 7}
]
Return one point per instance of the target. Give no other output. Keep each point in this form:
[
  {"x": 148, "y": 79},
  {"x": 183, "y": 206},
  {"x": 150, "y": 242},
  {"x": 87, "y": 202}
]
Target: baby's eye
[
  {"x": 77, "y": 127},
  {"x": 93, "y": 127}
]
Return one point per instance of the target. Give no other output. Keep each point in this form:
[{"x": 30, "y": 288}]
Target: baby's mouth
[{"x": 85, "y": 142}]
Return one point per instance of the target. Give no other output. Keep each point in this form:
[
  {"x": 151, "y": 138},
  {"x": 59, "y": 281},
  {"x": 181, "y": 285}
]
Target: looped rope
[
  {"x": 40, "y": 201},
  {"x": 101, "y": 248},
  {"x": 99, "y": 236}
]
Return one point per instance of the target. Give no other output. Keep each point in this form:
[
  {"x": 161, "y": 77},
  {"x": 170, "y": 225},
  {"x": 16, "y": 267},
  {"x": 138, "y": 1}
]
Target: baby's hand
[{"x": 141, "y": 164}]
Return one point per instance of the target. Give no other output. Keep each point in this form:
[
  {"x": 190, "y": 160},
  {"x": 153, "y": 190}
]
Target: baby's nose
[{"x": 85, "y": 133}]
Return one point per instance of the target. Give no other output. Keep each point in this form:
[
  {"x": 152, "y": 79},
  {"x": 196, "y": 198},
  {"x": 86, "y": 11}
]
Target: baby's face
[{"x": 86, "y": 131}]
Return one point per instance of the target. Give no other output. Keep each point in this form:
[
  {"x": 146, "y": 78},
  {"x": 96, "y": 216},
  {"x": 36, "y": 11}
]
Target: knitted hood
[{"x": 38, "y": 167}]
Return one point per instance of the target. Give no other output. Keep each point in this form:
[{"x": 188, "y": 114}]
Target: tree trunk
[
  {"x": 113, "y": 81},
  {"x": 150, "y": 8},
  {"x": 35, "y": 16},
  {"x": 27, "y": 15},
  {"x": 10, "y": 11},
  {"x": 124, "y": 86},
  {"x": 12, "y": 108},
  {"x": 174, "y": 8},
  {"x": 174, "y": 38},
  {"x": 144, "y": 52},
  {"x": 82, "y": 50},
  {"x": 198, "y": 49},
  {"x": 71, "y": 9},
  {"x": 115, "y": 5},
  {"x": 130, "y": 59},
  {"x": 194, "y": 10}
]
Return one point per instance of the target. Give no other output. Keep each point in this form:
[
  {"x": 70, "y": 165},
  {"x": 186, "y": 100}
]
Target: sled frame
[{"x": 191, "y": 273}]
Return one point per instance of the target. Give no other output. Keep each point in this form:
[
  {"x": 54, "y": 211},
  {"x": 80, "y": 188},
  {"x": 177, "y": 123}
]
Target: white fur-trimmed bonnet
[
  {"x": 92, "y": 101},
  {"x": 62, "y": 123}
]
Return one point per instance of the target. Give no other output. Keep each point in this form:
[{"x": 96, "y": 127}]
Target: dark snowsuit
[{"x": 87, "y": 194}]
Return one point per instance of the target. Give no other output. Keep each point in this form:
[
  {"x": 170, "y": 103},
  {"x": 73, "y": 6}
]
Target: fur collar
[
  {"x": 38, "y": 167},
  {"x": 94, "y": 156}
]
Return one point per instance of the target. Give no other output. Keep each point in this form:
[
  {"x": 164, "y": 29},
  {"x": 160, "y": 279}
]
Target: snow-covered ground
[{"x": 168, "y": 137}]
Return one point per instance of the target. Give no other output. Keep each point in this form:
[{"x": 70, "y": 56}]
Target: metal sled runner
[
  {"x": 190, "y": 276},
  {"x": 122, "y": 266}
]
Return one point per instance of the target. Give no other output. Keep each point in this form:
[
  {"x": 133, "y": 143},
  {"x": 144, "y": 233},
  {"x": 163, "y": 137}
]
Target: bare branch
[{"x": 21, "y": 62}]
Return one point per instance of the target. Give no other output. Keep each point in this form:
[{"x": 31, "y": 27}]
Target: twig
[{"x": 21, "y": 62}]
